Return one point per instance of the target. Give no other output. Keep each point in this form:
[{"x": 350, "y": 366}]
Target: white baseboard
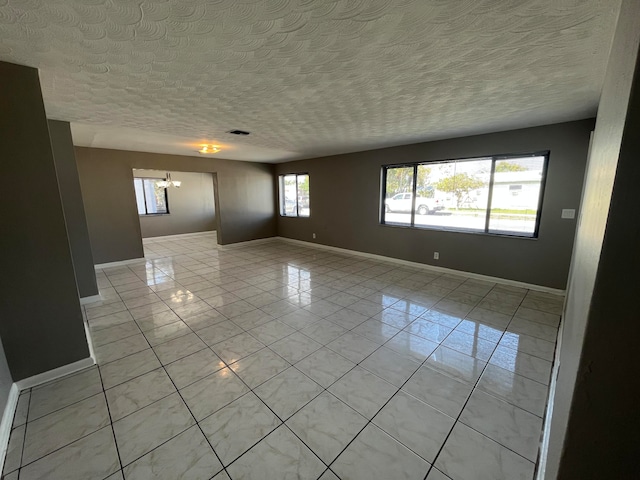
[
  {"x": 7, "y": 422},
  {"x": 477, "y": 276},
  {"x": 120, "y": 263},
  {"x": 250, "y": 242},
  {"x": 87, "y": 332},
  {"x": 178, "y": 236},
  {"x": 55, "y": 373},
  {"x": 91, "y": 299},
  {"x": 34, "y": 381},
  {"x": 541, "y": 467}
]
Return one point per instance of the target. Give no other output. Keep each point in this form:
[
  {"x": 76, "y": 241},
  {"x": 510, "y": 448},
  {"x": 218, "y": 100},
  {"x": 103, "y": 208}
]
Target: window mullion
[
  {"x": 383, "y": 214},
  {"x": 297, "y": 195},
  {"x": 490, "y": 196},
  {"x": 413, "y": 195},
  {"x": 144, "y": 194}
]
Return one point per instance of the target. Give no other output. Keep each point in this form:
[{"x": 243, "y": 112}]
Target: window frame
[
  {"x": 144, "y": 196},
  {"x": 281, "y": 195},
  {"x": 494, "y": 159}
]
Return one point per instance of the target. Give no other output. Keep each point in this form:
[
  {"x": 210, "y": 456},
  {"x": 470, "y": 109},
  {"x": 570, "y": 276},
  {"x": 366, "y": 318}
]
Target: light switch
[{"x": 568, "y": 213}]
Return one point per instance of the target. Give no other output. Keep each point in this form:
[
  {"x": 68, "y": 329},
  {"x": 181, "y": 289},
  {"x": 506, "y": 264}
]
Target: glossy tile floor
[{"x": 278, "y": 361}]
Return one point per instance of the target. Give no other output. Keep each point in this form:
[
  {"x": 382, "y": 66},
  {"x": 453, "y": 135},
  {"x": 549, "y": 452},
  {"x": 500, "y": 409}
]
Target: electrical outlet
[
  {"x": 436, "y": 255},
  {"x": 314, "y": 235}
]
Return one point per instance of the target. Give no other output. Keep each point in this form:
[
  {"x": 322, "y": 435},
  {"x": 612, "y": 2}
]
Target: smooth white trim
[
  {"x": 424, "y": 266},
  {"x": 178, "y": 236},
  {"x": 7, "y": 422},
  {"x": 56, "y": 373},
  {"x": 548, "y": 415},
  {"x": 91, "y": 299},
  {"x": 249, "y": 242},
  {"x": 120, "y": 263},
  {"x": 34, "y": 381},
  {"x": 92, "y": 352}
]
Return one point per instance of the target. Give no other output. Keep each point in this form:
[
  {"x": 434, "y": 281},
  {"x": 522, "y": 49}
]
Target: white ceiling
[{"x": 307, "y": 78}]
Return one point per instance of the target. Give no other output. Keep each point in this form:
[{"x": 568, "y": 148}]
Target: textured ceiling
[{"x": 307, "y": 77}]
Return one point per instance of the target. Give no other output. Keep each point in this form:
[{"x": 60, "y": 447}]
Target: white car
[{"x": 401, "y": 202}]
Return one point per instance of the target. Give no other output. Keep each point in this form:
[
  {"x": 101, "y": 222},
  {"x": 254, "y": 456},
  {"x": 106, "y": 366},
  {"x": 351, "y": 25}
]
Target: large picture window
[
  {"x": 294, "y": 195},
  {"x": 499, "y": 195},
  {"x": 150, "y": 198}
]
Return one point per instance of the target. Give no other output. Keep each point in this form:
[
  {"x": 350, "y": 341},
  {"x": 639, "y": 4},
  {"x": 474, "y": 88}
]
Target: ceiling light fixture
[
  {"x": 209, "y": 149},
  {"x": 167, "y": 182}
]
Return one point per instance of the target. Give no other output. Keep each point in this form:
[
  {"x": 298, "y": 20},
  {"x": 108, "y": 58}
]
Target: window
[
  {"x": 294, "y": 195},
  {"x": 150, "y": 198},
  {"x": 498, "y": 195}
]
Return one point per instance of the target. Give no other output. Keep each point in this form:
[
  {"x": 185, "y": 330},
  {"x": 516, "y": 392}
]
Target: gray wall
[
  {"x": 73, "y": 207},
  {"x": 5, "y": 381},
  {"x": 41, "y": 322},
  {"x": 599, "y": 367},
  {"x": 191, "y": 207},
  {"x": 345, "y": 206},
  {"x": 245, "y": 193}
]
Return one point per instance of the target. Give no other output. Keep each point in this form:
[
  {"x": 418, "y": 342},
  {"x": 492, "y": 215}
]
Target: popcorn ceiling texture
[{"x": 313, "y": 77}]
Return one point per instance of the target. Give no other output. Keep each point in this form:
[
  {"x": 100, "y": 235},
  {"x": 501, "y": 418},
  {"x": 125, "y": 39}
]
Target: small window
[
  {"x": 150, "y": 198},
  {"x": 497, "y": 195},
  {"x": 294, "y": 195}
]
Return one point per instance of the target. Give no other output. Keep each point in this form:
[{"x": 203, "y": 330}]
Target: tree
[
  {"x": 509, "y": 167},
  {"x": 459, "y": 184},
  {"x": 400, "y": 180}
]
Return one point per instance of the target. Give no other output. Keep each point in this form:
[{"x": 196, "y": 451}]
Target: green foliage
[
  {"x": 459, "y": 185},
  {"x": 303, "y": 186},
  {"x": 401, "y": 180},
  {"x": 509, "y": 167}
]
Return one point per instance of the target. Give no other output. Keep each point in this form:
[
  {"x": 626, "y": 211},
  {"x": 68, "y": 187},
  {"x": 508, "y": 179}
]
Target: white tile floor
[{"x": 273, "y": 361}]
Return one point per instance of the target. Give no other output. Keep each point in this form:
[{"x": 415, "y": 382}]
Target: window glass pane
[
  {"x": 516, "y": 195},
  {"x": 397, "y": 206},
  {"x": 154, "y": 196},
  {"x": 137, "y": 185},
  {"x": 303, "y": 196},
  {"x": 289, "y": 195},
  {"x": 453, "y": 194}
]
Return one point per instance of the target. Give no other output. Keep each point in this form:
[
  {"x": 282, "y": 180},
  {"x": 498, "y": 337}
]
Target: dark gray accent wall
[
  {"x": 41, "y": 322},
  {"x": 191, "y": 207},
  {"x": 345, "y": 193},
  {"x": 5, "y": 381},
  {"x": 245, "y": 193},
  {"x": 73, "y": 207},
  {"x": 594, "y": 415}
]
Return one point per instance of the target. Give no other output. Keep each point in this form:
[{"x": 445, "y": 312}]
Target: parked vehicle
[{"x": 402, "y": 202}]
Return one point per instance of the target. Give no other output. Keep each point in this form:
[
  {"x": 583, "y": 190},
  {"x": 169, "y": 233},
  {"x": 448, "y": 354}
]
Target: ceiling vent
[{"x": 239, "y": 132}]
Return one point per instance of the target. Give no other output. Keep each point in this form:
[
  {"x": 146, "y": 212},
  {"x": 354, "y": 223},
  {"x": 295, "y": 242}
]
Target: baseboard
[
  {"x": 7, "y": 422},
  {"x": 56, "y": 373},
  {"x": 250, "y": 242},
  {"x": 120, "y": 263},
  {"x": 91, "y": 299},
  {"x": 541, "y": 465},
  {"x": 92, "y": 352},
  {"x": 178, "y": 236},
  {"x": 424, "y": 266}
]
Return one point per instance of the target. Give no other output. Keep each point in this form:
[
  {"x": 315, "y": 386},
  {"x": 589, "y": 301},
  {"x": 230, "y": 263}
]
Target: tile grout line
[
  {"x": 473, "y": 389},
  {"x": 323, "y": 345},
  {"x": 113, "y": 431},
  {"x": 24, "y": 439}
]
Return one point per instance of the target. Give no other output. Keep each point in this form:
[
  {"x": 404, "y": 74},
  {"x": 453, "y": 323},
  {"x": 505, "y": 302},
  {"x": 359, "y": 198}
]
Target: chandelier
[{"x": 167, "y": 182}]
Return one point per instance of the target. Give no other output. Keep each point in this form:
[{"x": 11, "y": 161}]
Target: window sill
[{"x": 457, "y": 230}]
